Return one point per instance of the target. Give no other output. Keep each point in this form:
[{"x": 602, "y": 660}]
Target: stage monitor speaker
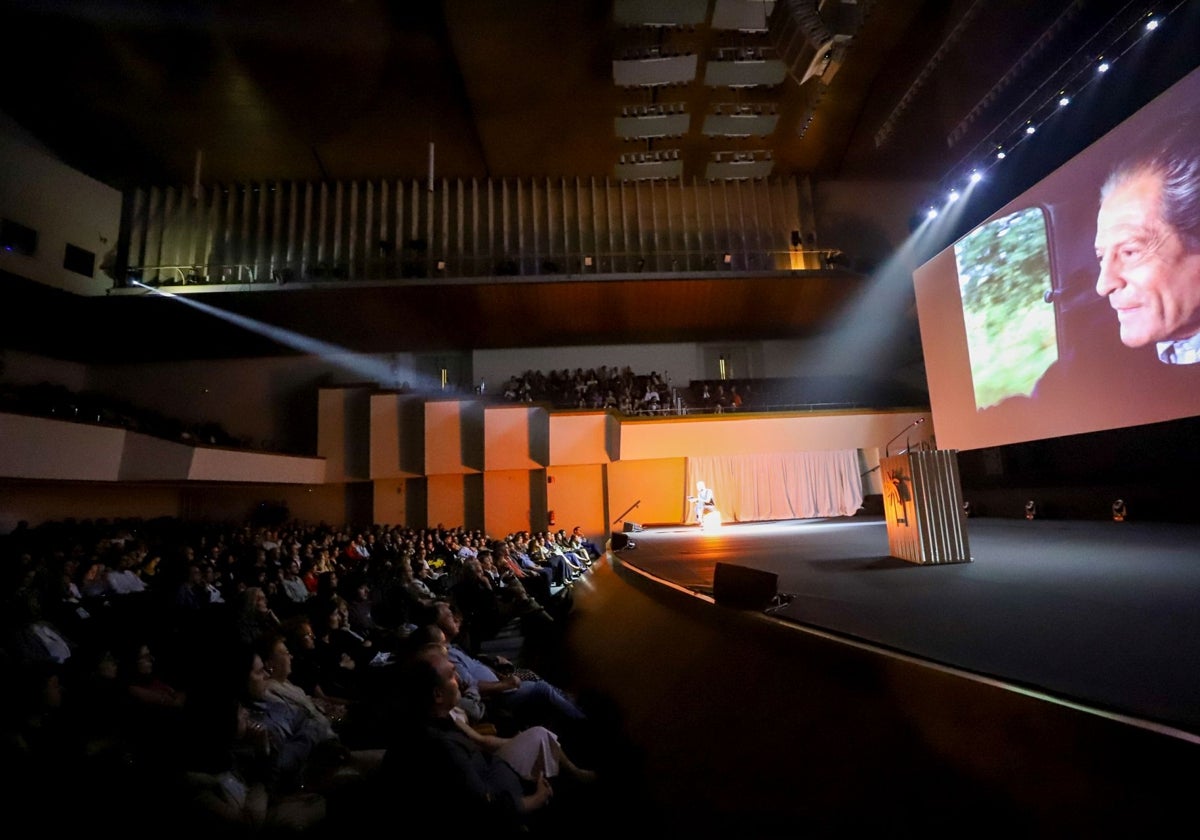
[
  {"x": 632, "y": 527},
  {"x": 744, "y": 588},
  {"x": 618, "y": 541}
]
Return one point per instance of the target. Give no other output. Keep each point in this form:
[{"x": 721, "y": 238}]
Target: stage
[{"x": 1098, "y": 614}]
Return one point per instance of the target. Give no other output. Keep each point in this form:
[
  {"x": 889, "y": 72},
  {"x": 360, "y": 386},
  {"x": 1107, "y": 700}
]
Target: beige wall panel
[
  {"x": 453, "y": 437},
  {"x": 236, "y": 465},
  {"x": 343, "y": 417},
  {"x": 576, "y": 495},
  {"x": 514, "y": 499},
  {"x": 451, "y": 501},
  {"x": 397, "y": 436},
  {"x": 657, "y": 486},
  {"x": 583, "y": 438},
  {"x": 748, "y": 434},
  {"x": 516, "y": 437},
  {"x": 33, "y": 447}
]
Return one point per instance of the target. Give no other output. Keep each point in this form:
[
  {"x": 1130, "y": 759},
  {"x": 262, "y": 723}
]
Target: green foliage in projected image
[{"x": 1004, "y": 274}]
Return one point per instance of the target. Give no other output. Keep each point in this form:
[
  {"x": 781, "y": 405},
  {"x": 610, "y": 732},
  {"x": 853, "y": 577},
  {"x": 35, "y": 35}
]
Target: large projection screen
[{"x": 1019, "y": 342}]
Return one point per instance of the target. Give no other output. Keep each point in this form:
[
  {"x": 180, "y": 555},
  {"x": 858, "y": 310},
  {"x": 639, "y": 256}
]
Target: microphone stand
[{"x": 886, "y": 446}]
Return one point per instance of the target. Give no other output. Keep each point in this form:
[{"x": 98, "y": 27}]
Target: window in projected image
[{"x": 1004, "y": 275}]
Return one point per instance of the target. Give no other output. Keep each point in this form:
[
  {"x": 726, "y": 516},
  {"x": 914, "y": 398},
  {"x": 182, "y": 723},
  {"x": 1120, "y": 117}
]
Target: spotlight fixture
[
  {"x": 1102, "y": 67},
  {"x": 976, "y": 177},
  {"x": 954, "y": 195},
  {"x": 1152, "y": 24},
  {"x": 1000, "y": 155},
  {"x": 1118, "y": 510},
  {"x": 1030, "y": 129},
  {"x": 1030, "y": 509},
  {"x": 931, "y": 213},
  {"x": 1064, "y": 101}
]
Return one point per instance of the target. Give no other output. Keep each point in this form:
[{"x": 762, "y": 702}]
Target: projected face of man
[{"x": 1147, "y": 273}]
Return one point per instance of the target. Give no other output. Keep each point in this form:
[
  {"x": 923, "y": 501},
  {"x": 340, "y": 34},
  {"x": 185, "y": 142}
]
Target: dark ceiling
[
  {"x": 130, "y": 90},
  {"x": 140, "y": 92}
]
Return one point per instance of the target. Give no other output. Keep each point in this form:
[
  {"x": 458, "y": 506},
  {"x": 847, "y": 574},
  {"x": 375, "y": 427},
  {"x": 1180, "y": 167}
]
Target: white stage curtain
[{"x": 794, "y": 485}]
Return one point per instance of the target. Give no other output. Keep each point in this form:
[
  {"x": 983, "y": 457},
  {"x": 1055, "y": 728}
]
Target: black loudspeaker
[
  {"x": 632, "y": 527},
  {"x": 619, "y": 541},
  {"x": 744, "y": 588}
]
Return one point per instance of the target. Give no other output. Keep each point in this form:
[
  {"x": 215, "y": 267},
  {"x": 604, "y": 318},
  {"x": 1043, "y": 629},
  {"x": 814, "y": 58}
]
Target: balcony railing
[{"x": 424, "y": 266}]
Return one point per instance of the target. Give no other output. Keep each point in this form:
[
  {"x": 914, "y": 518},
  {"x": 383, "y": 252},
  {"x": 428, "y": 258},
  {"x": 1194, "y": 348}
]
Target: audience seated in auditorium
[{"x": 435, "y": 766}]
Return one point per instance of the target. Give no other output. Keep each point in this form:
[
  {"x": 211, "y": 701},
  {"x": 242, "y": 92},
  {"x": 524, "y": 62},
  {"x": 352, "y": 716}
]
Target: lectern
[{"x": 922, "y": 500}]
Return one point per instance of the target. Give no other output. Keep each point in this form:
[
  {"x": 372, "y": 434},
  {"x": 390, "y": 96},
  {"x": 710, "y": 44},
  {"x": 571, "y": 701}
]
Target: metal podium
[{"x": 922, "y": 500}]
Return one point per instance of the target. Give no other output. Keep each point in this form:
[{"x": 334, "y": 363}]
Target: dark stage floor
[{"x": 1098, "y": 613}]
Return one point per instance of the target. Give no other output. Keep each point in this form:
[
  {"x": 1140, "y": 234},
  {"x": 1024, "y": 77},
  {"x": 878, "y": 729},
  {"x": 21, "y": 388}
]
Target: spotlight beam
[{"x": 367, "y": 367}]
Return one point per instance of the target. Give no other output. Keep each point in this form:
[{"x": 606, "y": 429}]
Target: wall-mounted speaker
[{"x": 744, "y": 588}]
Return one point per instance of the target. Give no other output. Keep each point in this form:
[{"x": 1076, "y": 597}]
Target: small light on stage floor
[{"x": 1119, "y": 510}]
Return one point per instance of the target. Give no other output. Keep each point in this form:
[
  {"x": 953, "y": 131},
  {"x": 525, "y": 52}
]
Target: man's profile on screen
[{"x": 1148, "y": 246}]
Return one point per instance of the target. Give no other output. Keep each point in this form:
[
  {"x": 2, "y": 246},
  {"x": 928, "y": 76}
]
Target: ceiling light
[
  {"x": 1000, "y": 155},
  {"x": 1030, "y": 129},
  {"x": 1064, "y": 102},
  {"x": 1152, "y": 24},
  {"x": 1102, "y": 67}
]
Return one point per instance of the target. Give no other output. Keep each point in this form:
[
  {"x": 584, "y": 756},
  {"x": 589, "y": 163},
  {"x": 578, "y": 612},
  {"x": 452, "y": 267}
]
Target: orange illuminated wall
[
  {"x": 453, "y": 437},
  {"x": 397, "y": 435},
  {"x": 516, "y": 437}
]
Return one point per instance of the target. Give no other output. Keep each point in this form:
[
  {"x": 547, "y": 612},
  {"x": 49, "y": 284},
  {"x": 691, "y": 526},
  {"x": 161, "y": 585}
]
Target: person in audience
[
  {"x": 255, "y": 616},
  {"x": 527, "y": 750},
  {"x": 193, "y": 593},
  {"x": 529, "y": 702},
  {"x": 438, "y": 766},
  {"x": 292, "y": 586},
  {"x": 223, "y": 791},
  {"x": 305, "y": 752},
  {"x": 341, "y": 659},
  {"x": 580, "y": 541},
  {"x": 153, "y": 711}
]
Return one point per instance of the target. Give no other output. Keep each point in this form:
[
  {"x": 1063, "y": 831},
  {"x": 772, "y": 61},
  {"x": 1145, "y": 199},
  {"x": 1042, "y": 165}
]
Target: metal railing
[{"x": 426, "y": 266}]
